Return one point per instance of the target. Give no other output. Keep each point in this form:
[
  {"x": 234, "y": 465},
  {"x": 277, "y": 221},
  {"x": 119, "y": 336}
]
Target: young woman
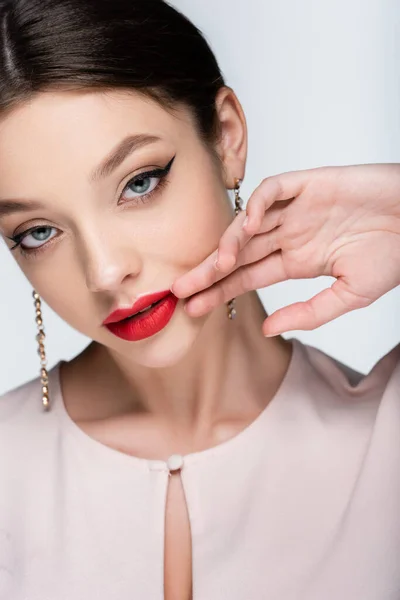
[{"x": 183, "y": 454}]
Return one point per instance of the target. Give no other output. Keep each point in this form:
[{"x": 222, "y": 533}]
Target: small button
[{"x": 175, "y": 462}]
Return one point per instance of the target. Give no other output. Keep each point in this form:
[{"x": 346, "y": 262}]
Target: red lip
[
  {"x": 140, "y": 304},
  {"x": 144, "y": 325}
]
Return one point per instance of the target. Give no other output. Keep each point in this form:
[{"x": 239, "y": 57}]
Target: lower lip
[{"x": 147, "y": 324}]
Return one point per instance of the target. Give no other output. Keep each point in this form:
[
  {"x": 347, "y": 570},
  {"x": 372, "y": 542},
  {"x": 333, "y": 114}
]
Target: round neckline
[{"x": 244, "y": 436}]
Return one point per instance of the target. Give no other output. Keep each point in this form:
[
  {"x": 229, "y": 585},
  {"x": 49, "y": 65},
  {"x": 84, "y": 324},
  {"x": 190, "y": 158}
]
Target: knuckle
[
  {"x": 275, "y": 183},
  {"x": 270, "y": 190}
]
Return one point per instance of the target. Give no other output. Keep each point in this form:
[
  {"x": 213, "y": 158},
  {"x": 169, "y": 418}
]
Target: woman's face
[{"x": 104, "y": 239}]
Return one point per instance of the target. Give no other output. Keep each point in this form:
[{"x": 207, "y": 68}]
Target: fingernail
[
  {"x": 216, "y": 262},
  {"x": 270, "y": 335},
  {"x": 245, "y": 222}
]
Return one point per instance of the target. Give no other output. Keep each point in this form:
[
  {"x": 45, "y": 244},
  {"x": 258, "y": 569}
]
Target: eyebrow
[
  {"x": 8, "y": 207},
  {"x": 113, "y": 160},
  {"x": 117, "y": 156}
]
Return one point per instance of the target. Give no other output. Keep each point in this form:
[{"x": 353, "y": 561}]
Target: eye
[
  {"x": 144, "y": 185},
  {"x": 35, "y": 238},
  {"x": 140, "y": 187},
  {"x": 39, "y": 236}
]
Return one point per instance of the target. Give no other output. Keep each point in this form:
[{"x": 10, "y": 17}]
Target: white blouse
[{"x": 303, "y": 504}]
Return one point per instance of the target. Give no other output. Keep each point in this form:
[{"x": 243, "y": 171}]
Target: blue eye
[
  {"x": 142, "y": 186},
  {"x": 38, "y": 237},
  {"x": 145, "y": 184}
]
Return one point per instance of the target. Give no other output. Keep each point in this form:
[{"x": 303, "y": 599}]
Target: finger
[
  {"x": 199, "y": 278},
  {"x": 282, "y": 187},
  {"x": 286, "y": 186},
  {"x": 234, "y": 241},
  {"x": 257, "y": 275},
  {"x": 231, "y": 242},
  {"x": 319, "y": 310},
  {"x": 206, "y": 275},
  {"x": 228, "y": 251},
  {"x": 231, "y": 253},
  {"x": 258, "y": 248},
  {"x": 207, "y": 272}
]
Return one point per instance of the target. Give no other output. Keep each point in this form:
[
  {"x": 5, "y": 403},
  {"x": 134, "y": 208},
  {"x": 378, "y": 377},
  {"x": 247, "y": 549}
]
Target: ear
[{"x": 232, "y": 145}]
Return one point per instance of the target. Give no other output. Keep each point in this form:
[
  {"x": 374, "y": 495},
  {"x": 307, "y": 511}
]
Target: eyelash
[{"x": 155, "y": 173}]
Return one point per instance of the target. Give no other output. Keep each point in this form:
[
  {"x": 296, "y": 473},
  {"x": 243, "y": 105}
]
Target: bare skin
[{"x": 201, "y": 380}]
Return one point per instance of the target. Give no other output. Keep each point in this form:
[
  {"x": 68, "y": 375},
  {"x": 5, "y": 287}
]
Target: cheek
[{"x": 193, "y": 232}]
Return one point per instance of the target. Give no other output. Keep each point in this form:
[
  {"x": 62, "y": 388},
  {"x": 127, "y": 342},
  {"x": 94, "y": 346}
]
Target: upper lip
[{"x": 141, "y": 303}]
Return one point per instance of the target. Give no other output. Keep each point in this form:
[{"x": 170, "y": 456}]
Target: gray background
[{"x": 319, "y": 82}]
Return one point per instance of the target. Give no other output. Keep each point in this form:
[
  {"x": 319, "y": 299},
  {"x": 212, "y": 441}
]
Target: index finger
[{"x": 285, "y": 186}]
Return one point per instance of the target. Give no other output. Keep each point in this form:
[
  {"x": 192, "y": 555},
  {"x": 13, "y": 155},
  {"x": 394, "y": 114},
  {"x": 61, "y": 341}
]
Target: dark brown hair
[{"x": 143, "y": 45}]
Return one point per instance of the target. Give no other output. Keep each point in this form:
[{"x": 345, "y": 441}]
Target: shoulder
[
  {"x": 334, "y": 397},
  {"x": 29, "y": 442},
  {"x": 340, "y": 414},
  {"x": 347, "y": 381},
  {"x": 15, "y": 400},
  {"x": 21, "y": 411},
  {"x": 333, "y": 393}
]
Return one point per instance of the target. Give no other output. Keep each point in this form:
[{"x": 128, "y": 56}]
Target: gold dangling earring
[
  {"x": 238, "y": 208},
  {"x": 44, "y": 376}
]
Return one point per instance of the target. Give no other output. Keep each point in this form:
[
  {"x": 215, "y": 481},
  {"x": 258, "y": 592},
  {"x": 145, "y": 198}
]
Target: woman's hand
[{"x": 342, "y": 222}]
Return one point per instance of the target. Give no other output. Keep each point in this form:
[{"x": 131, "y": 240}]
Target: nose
[{"x": 108, "y": 262}]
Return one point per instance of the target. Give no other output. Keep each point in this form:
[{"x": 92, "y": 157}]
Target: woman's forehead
[
  {"x": 81, "y": 126},
  {"x": 73, "y": 114}
]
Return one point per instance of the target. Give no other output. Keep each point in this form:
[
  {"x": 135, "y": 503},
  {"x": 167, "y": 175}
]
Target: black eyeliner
[
  {"x": 155, "y": 173},
  {"x": 17, "y": 239}
]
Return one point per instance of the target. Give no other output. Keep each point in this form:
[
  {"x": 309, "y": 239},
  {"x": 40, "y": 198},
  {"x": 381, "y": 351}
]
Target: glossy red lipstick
[{"x": 131, "y": 325}]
